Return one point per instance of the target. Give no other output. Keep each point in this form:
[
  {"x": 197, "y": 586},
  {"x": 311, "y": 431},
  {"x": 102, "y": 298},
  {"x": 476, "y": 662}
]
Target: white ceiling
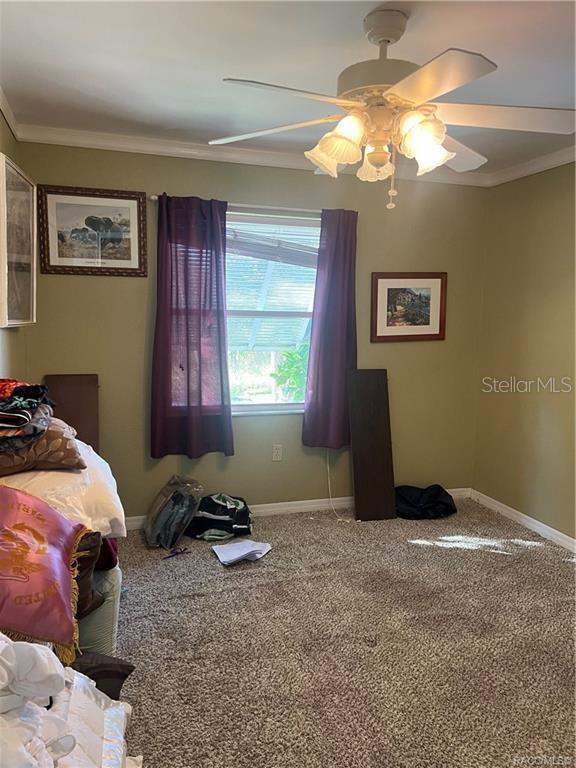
[{"x": 154, "y": 69}]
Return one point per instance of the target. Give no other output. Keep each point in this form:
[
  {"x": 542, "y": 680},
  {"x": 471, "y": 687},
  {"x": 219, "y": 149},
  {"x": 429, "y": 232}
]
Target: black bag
[
  {"x": 227, "y": 515},
  {"x": 423, "y": 503}
]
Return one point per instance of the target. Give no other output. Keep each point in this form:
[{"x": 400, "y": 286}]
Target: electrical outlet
[{"x": 276, "y": 453}]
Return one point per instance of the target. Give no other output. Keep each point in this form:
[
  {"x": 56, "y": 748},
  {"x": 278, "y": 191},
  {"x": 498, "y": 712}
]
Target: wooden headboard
[{"x": 76, "y": 402}]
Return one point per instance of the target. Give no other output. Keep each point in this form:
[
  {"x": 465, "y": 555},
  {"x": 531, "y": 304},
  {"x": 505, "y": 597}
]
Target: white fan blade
[
  {"x": 346, "y": 103},
  {"x": 441, "y": 75},
  {"x": 278, "y": 129},
  {"x": 466, "y": 159},
  {"x": 535, "y": 119}
]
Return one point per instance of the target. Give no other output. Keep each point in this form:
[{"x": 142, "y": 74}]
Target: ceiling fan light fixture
[
  {"x": 322, "y": 161},
  {"x": 431, "y": 157},
  {"x": 424, "y": 134},
  {"x": 344, "y": 143},
  {"x": 391, "y": 104},
  {"x": 379, "y": 154},
  {"x": 408, "y": 120},
  {"x": 340, "y": 150},
  {"x": 370, "y": 172}
]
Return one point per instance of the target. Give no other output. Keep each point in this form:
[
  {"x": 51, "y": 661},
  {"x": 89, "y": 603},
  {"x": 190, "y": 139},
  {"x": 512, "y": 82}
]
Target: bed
[{"x": 88, "y": 496}]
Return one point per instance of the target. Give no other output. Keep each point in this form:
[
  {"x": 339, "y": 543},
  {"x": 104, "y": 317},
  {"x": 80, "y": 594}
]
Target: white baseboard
[
  {"x": 308, "y": 505},
  {"x": 315, "y": 505},
  {"x": 460, "y": 493},
  {"x": 135, "y": 522},
  {"x": 546, "y": 531},
  {"x": 269, "y": 510},
  {"x": 290, "y": 507},
  {"x": 347, "y": 502}
]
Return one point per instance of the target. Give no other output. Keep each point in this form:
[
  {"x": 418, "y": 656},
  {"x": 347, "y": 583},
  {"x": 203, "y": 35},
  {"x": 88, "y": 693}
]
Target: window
[{"x": 270, "y": 277}]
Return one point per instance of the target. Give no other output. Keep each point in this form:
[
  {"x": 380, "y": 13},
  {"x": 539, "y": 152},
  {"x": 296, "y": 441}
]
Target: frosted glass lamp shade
[
  {"x": 340, "y": 149},
  {"x": 432, "y": 156},
  {"x": 420, "y": 133},
  {"x": 343, "y": 144},
  {"x": 369, "y": 172},
  {"x": 323, "y": 161},
  {"x": 422, "y": 138},
  {"x": 351, "y": 127},
  {"x": 409, "y": 120},
  {"x": 379, "y": 156}
]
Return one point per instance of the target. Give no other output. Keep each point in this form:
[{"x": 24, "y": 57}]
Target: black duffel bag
[
  {"x": 220, "y": 516},
  {"x": 423, "y": 503}
]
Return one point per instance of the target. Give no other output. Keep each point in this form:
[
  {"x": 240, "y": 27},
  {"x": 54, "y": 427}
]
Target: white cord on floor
[{"x": 336, "y": 515}]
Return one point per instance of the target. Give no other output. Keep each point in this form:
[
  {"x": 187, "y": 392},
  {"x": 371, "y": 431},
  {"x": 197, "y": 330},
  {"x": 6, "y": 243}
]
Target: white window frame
[{"x": 311, "y": 218}]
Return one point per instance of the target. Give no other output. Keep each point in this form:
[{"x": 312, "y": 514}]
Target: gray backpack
[{"x": 171, "y": 512}]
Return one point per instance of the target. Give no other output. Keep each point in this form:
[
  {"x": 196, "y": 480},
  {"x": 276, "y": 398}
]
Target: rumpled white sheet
[
  {"x": 88, "y": 496},
  {"x": 27, "y": 671},
  {"x": 29, "y": 734},
  {"x": 97, "y": 722},
  {"x": 32, "y": 737},
  {"x": 83, "y": 728}
]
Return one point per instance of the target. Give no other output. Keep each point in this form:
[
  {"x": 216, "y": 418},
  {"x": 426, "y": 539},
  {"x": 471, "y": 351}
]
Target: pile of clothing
[
  {"x": 25, "y": 413},
  {"x": 51, "y": 716}
]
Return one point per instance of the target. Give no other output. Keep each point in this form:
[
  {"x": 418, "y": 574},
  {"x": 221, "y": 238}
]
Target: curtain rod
[{"x": 265, "y": 207}]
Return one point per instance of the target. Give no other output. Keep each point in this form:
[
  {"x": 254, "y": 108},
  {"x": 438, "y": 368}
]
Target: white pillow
[{"x": 88, "y": 496}]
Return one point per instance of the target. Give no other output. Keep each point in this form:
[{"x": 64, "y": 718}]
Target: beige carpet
[{"x": 434, "y": 644}]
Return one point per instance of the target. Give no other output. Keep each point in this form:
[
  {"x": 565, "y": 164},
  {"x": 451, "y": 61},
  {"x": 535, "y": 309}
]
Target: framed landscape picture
[
  {"x": 92, "y": 231},
  {"x": 17, "y": 246},
  {"x": 408, "y": 306}
]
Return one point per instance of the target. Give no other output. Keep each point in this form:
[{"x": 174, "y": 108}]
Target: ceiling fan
[{"x": 390, "y": 108}]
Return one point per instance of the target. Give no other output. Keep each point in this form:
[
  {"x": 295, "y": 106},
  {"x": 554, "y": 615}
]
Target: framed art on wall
[
  {"x": 17, "y": 246},
  {"x": 408, "y": 306},
  {"x": 92, "y": 231}
]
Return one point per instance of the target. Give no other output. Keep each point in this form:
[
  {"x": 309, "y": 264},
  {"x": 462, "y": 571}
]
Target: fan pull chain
[{"x": 392, "y": 192}]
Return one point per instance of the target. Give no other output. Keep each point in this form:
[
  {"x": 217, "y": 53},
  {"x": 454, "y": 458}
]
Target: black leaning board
[{"x": 371, "y": 442}]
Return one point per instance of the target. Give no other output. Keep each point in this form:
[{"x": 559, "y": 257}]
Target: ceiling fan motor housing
[
  {"x": 383, "y": 27},
  {"x": 365, "y": 76}
]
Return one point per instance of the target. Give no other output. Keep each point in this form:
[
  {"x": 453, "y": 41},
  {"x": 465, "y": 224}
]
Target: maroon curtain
[
  {"x": 191, "y": 411},
  {"x": 333, "y": 341}
]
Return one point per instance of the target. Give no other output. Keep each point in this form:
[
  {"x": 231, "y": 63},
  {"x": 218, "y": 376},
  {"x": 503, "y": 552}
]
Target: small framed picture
[
  {"x": 408, "y": 306},
  {"x": 92, "y": 231},
  {"x": 17, "y": 246}
]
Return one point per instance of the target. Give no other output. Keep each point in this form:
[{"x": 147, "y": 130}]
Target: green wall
[
  {"x": 105, "y": 325},
  {"x": 509, "y": 254},
  {"x": 12, "y": 350},
  {"x": 525, "y": 441}
]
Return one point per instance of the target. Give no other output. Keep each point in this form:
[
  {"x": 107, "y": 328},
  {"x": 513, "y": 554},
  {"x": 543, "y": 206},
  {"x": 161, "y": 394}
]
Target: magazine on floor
[{"x": 246, "y": 549}]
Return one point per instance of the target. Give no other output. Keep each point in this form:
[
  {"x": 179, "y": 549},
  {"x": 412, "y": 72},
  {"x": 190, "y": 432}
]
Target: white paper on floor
[{"x": 246, "y": 549}]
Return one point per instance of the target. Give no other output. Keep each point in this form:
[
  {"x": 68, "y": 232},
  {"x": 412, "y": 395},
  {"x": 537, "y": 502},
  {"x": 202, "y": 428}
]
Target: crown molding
[
  {"x": 9, "y": 116},
  {"x": 155, "y": 146},
  {"x": 536, "y": 165},
  {"x": 113, "y": 142}
]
